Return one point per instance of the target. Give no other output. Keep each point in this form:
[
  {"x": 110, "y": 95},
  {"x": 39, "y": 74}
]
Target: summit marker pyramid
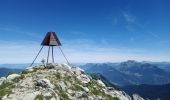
[{"x": 51, "y": 39}]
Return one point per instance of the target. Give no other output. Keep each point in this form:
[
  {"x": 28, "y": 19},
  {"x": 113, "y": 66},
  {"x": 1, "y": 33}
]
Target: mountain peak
[
  {"x": 129, "y": 63},
  {"x": 56, "y": 82}
]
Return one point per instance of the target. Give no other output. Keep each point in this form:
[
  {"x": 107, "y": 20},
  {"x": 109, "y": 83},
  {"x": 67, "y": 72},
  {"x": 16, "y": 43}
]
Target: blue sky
[{"x": 90, "y": 30}]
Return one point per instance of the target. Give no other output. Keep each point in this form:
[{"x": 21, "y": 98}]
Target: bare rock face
[
  {"x": 45, "y": 83},
  {"x": 57, "y": 82},
  {"x": 83, "y": 78},
  {"x": 2, "y": 79},
  {"x": 101, "y": 83},
  {"x": 137, "y": 97},
  {"x": 12, "y": 77},
  {"x": 29, "y": 69}
]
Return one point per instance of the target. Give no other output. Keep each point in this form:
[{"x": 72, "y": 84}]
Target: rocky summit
[{"x": 56, "y": 82}]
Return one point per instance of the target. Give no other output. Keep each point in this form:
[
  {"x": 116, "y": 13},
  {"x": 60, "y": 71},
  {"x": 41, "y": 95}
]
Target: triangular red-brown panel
[{"x": 51, "y": 39}]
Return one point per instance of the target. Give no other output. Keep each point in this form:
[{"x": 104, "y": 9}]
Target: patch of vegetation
[
  {"x": 17, "y": 79},
  {"x": 76, "y": 80},
  {"x": 95, "y": 89},
  {"x": 24, "y": 72},
  {"x": 109, "y": 97},
  {"x": 77, "y": 88},
  {"x": 58, "y": 76},
  {"x": 6, "y": 88},
  {"x": 48, "y": 97},
  {"x": 67, "y": 78},
  {"x": 35, "y": 69},
  {"x": 39, "y": 97},
  {"x": 22, "y": 76},
  {"x": 61, "y": 93}
]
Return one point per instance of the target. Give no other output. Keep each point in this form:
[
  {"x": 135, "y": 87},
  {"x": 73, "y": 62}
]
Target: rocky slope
[{"x": 59, "y": 82}]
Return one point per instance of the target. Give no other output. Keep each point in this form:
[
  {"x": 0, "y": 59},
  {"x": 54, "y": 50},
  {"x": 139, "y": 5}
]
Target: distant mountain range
[
  {"x": 16, "y": 66},
  {"x": 98, "y": 76},
  {"x": 6, "y": 71},
  {"x": 148, "y": 79},
  {"x": 130, "y": 72}
]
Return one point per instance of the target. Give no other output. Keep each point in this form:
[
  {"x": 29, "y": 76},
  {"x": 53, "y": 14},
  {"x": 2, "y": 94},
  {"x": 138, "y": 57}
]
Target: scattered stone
[
  {"x": 83, "y": 78},
  {"x": 45, "y": 83},
  {"x": 62, "y": 85},
  {"x": 29, "y": 69},
  {"x": 77, "y": 70},
  {"x": 85, "y": 89},
  {"x": 78, "y": 94},
  {"x": 101, "y": 83},
  {"x": 13, "y": 76}
]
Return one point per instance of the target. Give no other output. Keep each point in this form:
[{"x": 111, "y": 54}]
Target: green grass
[
  {"x": 48, "y": 97},
  {"x": 95, "y": 89},
  {"x": 24, "y": 72},
  {"x": 109, "y": 97},
  {"x": 39, "y": 97},
  {"x": 6, "y": 88},
  {"x": 61, "y": 93},
  {"x": 78, "y": 88},
  {"x": 58, "y": 76}
]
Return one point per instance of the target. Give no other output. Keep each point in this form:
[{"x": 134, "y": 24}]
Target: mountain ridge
[{"x": 130, "y": 72}]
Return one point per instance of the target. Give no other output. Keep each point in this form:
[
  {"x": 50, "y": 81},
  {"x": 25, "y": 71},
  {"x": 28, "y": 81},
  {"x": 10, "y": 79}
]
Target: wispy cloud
[
  {"x": 154, "y": 35},
  {"x": 129, "y": 17},
  {"x": 20, "y": 31}
]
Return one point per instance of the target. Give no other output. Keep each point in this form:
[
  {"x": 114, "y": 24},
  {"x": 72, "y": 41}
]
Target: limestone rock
[
  {"x": 101, "y": 83},
  {"x": 77, "y": 70},
  {"x": 13, "y": 76},
  {"x": 2, "y": 79},
  {"x": 85, "y": 89},
  {"x": 45, "y": 83},
  {"x": 62, "y": 85},
  {"x": 83, "y": 78},
  {"x": 137, "y": 97},
  {"x": 29, "y": 69}
]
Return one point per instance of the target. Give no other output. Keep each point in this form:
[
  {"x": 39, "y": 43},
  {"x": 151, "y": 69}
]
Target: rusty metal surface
[{"x": 51, "y": 39}]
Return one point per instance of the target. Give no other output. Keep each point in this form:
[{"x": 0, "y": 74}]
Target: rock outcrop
[
  {"x": 137, "y": 97},
  {"x": 59, "y": 82}
]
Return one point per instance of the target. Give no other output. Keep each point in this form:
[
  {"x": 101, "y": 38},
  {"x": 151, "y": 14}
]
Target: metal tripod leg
[
  {"x": 52, "y": 55},
  {"x": 36, "y": 56},
  {"x": 48, "y": 54},
  {"x": 64, "y": 55}
]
